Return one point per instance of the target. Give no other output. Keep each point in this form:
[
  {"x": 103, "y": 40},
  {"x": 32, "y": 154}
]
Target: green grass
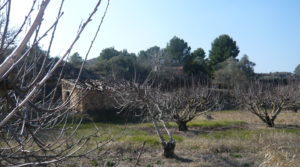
[
  {"x": 230, "y": 134},
  {"x": 150, "y": 125},
  {"x": 149, "y": 139},
  {"x": 112, "y": 131},
  {"x": 214, "y": 124},
  {"x": 247, "y": 134},
  {"x": 289, "y": 130},
  {"x": 135, "y": 134},
  {"x": 176, "y": 137},
  {"x": 237, "y": 137},
  {"x": 236, "y": 155},
  {"x": 130, "y": 133},
  {"x": 205, "y": 123}
]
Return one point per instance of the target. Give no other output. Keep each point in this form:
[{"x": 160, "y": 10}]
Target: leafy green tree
[
  {"x": 150, "y": 58},
  {"x": 233, "y": 72},
  {"x": 247, "y": 66},
  {"x": 199, "y": 53},
  {"x": 297, "y": 70},
  {"x": 122, "y": 66},
  {"x": 149, "y": 55},
  {"x": 229, "y": 73},
  {"x": 108, "y": 53},
  {"x": 76, "y": 60},
  {"x": 119, "y": 64},
  {"x": 126, "y": 53},
  {"x": 196, "y": 64},
  {"x": 222, "y": 48},
  {"x": 176, "y": 51}
]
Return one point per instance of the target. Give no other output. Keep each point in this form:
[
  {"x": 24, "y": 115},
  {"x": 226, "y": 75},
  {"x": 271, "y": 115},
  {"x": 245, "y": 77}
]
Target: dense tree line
[
  {"x": 220, "y": 65},
  {"x": 177, "y": 64},
  {"x": 297, "y": 70}
]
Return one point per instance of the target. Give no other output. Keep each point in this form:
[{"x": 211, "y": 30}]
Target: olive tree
[
  {"x": 233, "y": 72},
  {"x": 32, "y": 119}
]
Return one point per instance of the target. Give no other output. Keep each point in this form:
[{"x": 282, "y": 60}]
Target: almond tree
[
  {"x": 32, "y": 120},
  {"x": 267, "y": 101},
  {"x": 188, "y": 103},
  {"x": 150, "y": 103}
]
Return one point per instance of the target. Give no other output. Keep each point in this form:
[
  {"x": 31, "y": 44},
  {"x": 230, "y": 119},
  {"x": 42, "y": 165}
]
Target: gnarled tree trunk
[
  {"x": 169, "y": 148},
  {"x": 270, "y": 123},
  {"x": 182, "y": 125},
  {"x": 268, "y": 100}
]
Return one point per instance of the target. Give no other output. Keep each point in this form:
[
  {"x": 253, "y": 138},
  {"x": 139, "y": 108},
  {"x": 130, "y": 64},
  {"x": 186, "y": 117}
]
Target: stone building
[{"x": 89, "y": 96}]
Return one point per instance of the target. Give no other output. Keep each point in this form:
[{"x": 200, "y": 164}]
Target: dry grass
[{"x": 231, "y": 139}]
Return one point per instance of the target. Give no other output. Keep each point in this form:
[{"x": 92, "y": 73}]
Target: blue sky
[{"x": 268, "y": 31}]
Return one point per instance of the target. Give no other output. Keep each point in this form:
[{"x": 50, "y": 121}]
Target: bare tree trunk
[
  {"x": 270, "y": 123},
  {"x": 169, "y": 148},
  {"x": 267, "y": 120},
  {"x": 267, "y": 101},
  {"x": 154, "y": 104},
  {"x": 188, "y": 103},
  {"x": 182, "y": 126}
]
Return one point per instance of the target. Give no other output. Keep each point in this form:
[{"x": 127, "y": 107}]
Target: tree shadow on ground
[
  {"x": 225, "y": 160},
  {"x": 182, "y": 159},
  {"x": 287, "y": 126},
  {"x": 194, "y": 131}
]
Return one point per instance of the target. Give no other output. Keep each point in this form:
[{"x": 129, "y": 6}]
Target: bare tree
[
  {"x": 188, "y": 103},
  {"x": 267, "y": 101},
  {"x": 33, "y": 121},
  {"x": 151, "y": 103}
]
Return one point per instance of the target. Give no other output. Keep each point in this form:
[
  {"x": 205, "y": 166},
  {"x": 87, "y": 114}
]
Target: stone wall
[
  {"x": 95, "y": 102},
  {"x": 75, "y": 99}
]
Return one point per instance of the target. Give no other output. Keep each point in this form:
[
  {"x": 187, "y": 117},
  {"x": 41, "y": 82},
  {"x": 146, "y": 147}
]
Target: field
[{"x": 230, "y": 139}]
